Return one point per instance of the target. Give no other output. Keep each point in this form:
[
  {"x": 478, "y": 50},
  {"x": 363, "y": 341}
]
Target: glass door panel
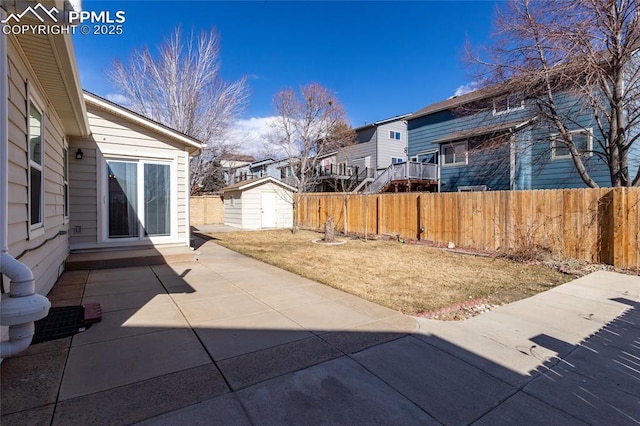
[
  {"x": 157, "y": 200},
  {"x": 122, "y": 188}
]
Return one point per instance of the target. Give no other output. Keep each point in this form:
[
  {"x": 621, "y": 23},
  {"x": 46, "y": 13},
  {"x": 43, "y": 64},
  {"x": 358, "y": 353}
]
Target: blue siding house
[{"x": 486, "y": 140}]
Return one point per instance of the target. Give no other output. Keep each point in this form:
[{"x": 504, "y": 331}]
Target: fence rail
[{"x": 593, "y": 225}]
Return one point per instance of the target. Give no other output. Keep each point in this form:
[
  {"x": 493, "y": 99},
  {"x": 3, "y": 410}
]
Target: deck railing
[{"x": 408, "y": 170}]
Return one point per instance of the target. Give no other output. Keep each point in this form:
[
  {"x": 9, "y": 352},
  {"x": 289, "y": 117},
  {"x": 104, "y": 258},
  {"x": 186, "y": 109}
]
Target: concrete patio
[{"x": 230, "y": 340}]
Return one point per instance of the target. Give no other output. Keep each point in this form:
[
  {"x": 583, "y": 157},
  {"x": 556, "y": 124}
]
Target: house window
[
  {"x": 65, "y": 179},
  {"x": 285, "y": 172},
  {"x": 582, "y": 140},
  {"x": 508, "y": 103},
  {"x": 454, "y": 153},
  {"x": 394, "y": 135},
  {"x": 397, "y": 160},
  {"x": 36, "y": 161},
  {"x": 427, "y": 157}
]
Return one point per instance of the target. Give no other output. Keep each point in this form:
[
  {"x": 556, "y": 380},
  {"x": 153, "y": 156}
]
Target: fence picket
[{"x": 586, "y": 224}]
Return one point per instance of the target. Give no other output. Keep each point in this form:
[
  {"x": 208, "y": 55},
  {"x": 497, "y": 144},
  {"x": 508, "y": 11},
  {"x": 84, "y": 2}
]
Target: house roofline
[
  {"x": 456, "y": 101},
  {"x": 134, "y": 117},
  {"x": 385, "y": 121}
]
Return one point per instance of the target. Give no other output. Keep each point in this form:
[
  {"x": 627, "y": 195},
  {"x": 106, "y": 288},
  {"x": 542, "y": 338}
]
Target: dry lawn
[{"x": 409, "y": 278}]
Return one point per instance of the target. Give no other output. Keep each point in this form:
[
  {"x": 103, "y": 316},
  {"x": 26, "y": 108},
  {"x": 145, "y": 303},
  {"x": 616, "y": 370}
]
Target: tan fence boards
[{"x": 594, "y": 225}]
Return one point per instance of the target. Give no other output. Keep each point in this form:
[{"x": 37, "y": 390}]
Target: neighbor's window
[
  {"x": 285, "y": 172},
  {"x": 36, "y": 161},
  {"x": 397, "y": 160},
  {"x": 454, "y": 153},
  {"x": 508, "y": 103},
  {"x": 394, "y": 135},
  {"x": 582, "y": 140}
]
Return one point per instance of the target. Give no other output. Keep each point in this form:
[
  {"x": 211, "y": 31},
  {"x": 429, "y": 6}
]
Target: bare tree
[
  {"x": 308, "y": 125},
  {"x": 575, "y": 59},
  {"x": 182, "y": 88}
]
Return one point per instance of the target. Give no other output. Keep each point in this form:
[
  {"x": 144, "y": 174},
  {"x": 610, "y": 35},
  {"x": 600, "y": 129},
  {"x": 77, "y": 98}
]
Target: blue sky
[{"x": 381, "y": 58}]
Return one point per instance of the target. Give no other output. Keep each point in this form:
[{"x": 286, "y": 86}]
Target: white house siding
[
  {"x": 116, "y": 137},
  {"x": 233, "y": 209},
  {"x": 388, "y": 147},
  {"x": 44, "y": 258}
]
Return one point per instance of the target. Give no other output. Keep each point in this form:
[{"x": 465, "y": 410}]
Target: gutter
[{"x": 21, "y": 307}]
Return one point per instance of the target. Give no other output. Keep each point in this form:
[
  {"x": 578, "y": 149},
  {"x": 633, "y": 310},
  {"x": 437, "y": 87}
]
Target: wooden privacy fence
[
  {"x": 595, "y": 225},
  {"x": 206, "y": 210}
]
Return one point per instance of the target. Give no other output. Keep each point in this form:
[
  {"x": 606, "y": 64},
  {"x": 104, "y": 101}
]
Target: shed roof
[{"x": 250, "y": 183}]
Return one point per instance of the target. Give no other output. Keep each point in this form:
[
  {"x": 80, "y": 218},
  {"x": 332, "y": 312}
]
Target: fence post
[{"x": 619, "y": 243}]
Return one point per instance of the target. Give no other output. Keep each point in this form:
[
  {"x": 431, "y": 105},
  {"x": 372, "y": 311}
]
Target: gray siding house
[
  {"x": 379, "y": 145},
  {"x": 485, "y": 140}
]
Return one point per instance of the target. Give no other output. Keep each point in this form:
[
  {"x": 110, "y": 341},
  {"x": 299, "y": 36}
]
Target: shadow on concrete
[{"x": 233, "y": 341}]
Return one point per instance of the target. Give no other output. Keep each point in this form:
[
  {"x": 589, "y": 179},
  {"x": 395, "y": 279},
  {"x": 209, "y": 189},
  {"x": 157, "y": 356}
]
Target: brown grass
[{"x": 408, "y": 278}]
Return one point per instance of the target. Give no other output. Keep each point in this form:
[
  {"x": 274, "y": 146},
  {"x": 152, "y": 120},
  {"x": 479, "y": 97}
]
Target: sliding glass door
[
  {"x": 123, "y": 199},
  {"x": 157, "y": 199},
  {"x": 139, "y": 198}
]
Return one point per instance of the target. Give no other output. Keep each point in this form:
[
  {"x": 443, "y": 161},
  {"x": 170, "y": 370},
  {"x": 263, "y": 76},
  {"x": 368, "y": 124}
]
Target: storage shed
[{"x": 258, "y": 204}]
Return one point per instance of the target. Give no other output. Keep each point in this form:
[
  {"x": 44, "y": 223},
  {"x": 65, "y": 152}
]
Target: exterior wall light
[{"x": 79, "y": 154}]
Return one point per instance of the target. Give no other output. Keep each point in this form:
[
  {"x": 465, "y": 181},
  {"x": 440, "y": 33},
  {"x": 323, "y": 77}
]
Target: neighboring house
[
  {"x": 235, "y": 165},
  {"x": 258, "y": 203},
  {"x": 278, "y": 169},
  {"x": 78, "y": 171},
  {"x": 378, "y": 145},
  {"x": 488, "y": 140}
]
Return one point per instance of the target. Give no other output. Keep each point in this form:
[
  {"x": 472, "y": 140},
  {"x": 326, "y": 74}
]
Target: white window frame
[
  {"x": 393, "y": 133},
  {"x": 508, "y": 108},
  {"x": 104, "y": 215},
  {"x": 443, "y": 162},
  {"x": 66, "y": 196},
  {"x": 430, "y": 151},
  {"x": 36, "y": 229},
  {"x": 556, "y": 137}
]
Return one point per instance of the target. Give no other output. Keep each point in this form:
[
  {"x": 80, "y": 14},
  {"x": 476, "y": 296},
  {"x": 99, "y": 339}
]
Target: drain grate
[{"x": 61, "y": 322}]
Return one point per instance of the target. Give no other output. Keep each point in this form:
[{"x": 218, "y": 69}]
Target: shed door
[{"x": 268, "y": 210}]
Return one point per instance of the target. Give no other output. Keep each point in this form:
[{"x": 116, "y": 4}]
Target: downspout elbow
[{"x": 22, "y": 281}]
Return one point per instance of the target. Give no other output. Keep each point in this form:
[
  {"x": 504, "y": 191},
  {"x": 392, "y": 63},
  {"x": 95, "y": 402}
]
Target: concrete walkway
[{"x": 230, "y": 340}]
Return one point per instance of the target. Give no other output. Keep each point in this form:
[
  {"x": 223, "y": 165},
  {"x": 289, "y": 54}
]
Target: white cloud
[
  {"x": 252, "y": 137},
  {"x": 466, "y": 88},
  {"x": 118, "y": 99}
]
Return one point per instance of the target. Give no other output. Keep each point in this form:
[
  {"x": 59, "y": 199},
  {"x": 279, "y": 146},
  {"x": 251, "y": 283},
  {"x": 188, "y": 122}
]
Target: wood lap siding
[{"x": 594, "y": 225}]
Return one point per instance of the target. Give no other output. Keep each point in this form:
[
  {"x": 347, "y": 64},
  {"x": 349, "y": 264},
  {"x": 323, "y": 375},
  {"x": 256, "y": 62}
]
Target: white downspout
[{"x": 21, "y": 307}]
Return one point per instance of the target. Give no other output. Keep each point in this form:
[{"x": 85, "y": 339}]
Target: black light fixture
[{"x": 79, "y": 154}]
